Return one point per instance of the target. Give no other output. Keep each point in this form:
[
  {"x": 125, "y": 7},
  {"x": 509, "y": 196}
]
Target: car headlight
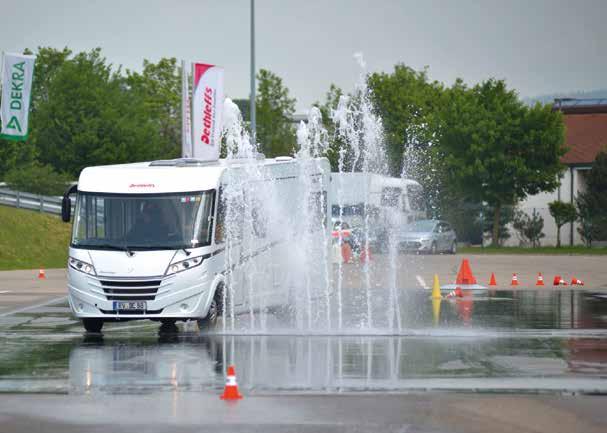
[
  {"x": 81, "y": 266},
  {"x": 425, "y": 240},
  {"x": 184, "y": 265}
]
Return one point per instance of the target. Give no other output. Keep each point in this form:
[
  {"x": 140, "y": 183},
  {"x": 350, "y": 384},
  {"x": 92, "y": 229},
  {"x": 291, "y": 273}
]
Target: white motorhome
[
  {"x": 149, "y": 238},
  {"x": 383, "y": 196}
]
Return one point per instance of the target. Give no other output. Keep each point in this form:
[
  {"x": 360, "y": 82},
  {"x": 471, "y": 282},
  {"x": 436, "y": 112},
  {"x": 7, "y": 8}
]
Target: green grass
[
  {"x": 565, "y": 250},
  {"x": 29, "y": 240}
]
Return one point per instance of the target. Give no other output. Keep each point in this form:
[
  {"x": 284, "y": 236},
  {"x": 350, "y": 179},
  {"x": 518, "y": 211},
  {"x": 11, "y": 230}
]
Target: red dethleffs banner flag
[{"x": 207, "y": 108}]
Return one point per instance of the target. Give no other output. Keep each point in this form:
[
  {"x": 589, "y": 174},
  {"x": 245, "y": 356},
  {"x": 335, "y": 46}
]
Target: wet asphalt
[{"x": 500, "y": 360}]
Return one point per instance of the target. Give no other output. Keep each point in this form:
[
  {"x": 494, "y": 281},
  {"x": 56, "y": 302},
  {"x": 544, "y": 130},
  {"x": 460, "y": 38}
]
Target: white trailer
[
  {"x": 384, "y": 196},
  {"x": 149, "y": 239}
]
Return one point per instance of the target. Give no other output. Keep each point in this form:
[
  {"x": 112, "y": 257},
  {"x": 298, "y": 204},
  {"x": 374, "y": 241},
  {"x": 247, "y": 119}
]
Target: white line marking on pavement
[
  {"x": 4, "y": 291},
  {"x": 33, "y": 307},
  {"x": 421, "y": 282}
]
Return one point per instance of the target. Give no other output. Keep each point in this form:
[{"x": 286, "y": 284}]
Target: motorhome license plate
[{"x": 130, "y": 305}]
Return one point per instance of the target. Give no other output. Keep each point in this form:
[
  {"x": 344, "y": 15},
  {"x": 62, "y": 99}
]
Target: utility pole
[{"x": 252, "y": 93}]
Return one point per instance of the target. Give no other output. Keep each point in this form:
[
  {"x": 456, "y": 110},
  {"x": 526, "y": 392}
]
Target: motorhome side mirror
[{"x": 66, "y": 209}]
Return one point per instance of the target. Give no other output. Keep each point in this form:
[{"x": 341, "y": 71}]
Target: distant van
[{"x": 384, "y": 196}]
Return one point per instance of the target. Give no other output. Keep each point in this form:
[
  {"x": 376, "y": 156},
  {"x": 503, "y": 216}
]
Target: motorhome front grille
[
  {"x": 131, "y": 312},
  {"x": 130, "y": 290}
]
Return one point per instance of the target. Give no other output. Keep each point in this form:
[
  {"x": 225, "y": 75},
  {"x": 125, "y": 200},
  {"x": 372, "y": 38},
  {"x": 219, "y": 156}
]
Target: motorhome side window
[
  {"x": 232, "y": 201},
  {"x": 143, "y": 221},
  {"x": 221, "y": 218},
  {"x": 390, "y": 196}
]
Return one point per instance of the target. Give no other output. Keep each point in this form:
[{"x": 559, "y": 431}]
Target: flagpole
[{"x": 185, "y": 150}]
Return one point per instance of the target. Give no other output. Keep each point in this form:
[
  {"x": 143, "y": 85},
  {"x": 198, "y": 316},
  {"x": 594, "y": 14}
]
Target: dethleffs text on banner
[
  {"x": 207, "y": 109},
  {"x": 17, "y": 74}
]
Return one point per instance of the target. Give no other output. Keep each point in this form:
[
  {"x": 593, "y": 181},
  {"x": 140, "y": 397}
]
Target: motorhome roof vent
[{"x": 180, "y": 162}]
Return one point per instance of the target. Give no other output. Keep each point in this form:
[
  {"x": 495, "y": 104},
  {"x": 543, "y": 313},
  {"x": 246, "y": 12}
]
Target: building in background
[{"x": 586, "y": 134}]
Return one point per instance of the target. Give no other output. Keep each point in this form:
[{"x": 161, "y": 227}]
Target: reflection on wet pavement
[{"x": 531, "y": 341}]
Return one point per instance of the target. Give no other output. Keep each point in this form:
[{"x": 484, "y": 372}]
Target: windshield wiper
[{"x": 108, "y": 247}]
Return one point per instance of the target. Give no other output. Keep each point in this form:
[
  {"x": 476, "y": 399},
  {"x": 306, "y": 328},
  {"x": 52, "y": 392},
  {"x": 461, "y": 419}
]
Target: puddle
[{"x": 526, "y": 341}]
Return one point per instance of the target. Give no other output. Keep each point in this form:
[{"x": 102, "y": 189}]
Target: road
[
  {"x": 20, "y": 289},
  {"x": 514, "y": 362}
]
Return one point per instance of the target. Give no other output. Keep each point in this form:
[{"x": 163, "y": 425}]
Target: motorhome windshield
[{"x": 143, "y": 221}]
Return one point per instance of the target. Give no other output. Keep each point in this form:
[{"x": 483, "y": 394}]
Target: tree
[
  {"x": 506, "y": 216},
  {"x": 592, "y": 204},
  {"x": 562, "y": 213},
  {"x": 528, "y": 227},
  {"x": 158, "y": 88},
  {"x": 407, "y": 102},
  {"x": 586, "y": 227},
  {"x": 497, "y": 150},
  {"x": 274, "y": 109},
  {"x": 87, "y": 114},
  {"x": 326, "y": 109},
  {"x": 37, "y": 179}
]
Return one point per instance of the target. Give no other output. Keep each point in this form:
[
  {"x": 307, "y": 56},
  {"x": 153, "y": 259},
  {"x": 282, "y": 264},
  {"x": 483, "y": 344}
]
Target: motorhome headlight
[
  {"x": 81, "y": 266},
  {"x": 184, "y": 265}
]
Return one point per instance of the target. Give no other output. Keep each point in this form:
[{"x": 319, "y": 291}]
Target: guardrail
[{"x": 25, "y": 200}]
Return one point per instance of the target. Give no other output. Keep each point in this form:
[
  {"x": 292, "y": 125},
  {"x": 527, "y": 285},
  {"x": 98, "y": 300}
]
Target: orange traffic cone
[
  {"x": 576, "y": 282},
  {"x": 540, "y": 280},
  {"x": 346, "y": 252},
  {"x": 557, "y": 280},
  {"x": 514, "y": 281},
  {"x": 230, "y": 392},
  {"x": 457, "y": 293},
  {"x": 492, "y": 281},
  {"x": 464, "y": 276},
  {"x": 41, "y": 274}
]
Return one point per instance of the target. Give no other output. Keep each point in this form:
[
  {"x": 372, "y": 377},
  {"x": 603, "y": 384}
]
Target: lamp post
[{"x": 252, "y": 93}]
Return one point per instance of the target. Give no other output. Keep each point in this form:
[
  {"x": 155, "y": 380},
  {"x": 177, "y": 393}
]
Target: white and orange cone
[
  {"x": 540, "y": 280},
  {"x": 457, "y": 293},
  {"x": 576, "y": 282},
  {"x": 230, "y": 392},
  {"x": 41, "y": 274},
  {"x": 514, "y": 281}
]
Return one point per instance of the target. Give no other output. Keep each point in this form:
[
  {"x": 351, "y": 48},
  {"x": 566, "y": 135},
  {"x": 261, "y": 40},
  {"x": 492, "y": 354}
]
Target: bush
[
  {"x": 37, "y": 179},
  {"x": 592, "y": 204},
  {"x": 529, "y": 228}
]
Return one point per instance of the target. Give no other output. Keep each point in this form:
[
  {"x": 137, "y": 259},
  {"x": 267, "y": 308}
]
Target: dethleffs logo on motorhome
[
  {"x": 142, "y": 185},
  {"x": 207, "y": 116}
]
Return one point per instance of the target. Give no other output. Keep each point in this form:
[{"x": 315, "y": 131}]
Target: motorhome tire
[
  {"x": 215, "y": 310},
  {"x": 92, "y": 325}
]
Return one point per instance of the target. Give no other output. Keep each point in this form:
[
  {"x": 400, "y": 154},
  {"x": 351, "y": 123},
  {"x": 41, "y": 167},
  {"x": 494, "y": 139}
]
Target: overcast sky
[{"x": 537, "y": 46}]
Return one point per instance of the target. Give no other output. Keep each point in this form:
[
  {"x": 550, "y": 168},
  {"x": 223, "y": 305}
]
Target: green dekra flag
[{"x": 17, "y": 74}]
